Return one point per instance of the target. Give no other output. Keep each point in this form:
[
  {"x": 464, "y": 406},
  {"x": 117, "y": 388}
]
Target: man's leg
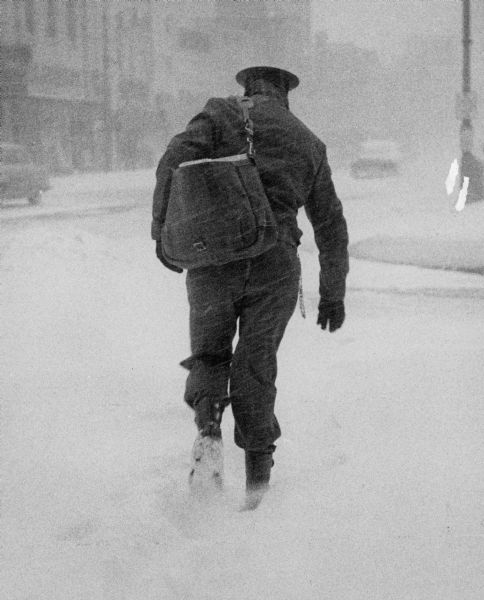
[
  {"x": 269, "y": 301},
  {"x": 213, "y": 323},
  {"x": 212, "y": 328}
]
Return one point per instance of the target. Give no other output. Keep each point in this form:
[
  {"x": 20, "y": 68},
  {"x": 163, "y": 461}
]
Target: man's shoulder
[
  {"x": 219, "y": 103},
  {"x": 308, "y": 138},
  {"x": 308, "y": 132}
]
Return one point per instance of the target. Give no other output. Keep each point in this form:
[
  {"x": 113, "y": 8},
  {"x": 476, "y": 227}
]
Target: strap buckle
[
  {"x": 245, "y": 104},
  {"x": 199, "y": 246}
]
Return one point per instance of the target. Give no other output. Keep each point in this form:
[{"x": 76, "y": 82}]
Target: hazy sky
[{"x": 386, "y": 24}]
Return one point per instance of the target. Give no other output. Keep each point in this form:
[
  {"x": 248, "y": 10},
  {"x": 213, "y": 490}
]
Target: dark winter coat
[{"x": 293, "y": 167}]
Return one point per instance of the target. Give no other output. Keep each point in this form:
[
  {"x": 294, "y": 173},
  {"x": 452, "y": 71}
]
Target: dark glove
[
  {"x": 332, "y": 312},
  {"x": 168, "y": 265}
]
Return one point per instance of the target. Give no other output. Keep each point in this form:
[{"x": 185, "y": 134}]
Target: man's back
[
  {"x": 255, "y": 296},
  {"x": 288, "y": 154}
]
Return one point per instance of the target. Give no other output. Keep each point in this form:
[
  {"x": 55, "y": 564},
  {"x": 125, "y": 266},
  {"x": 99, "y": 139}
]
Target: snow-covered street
[{"x": 378, "y": 488}]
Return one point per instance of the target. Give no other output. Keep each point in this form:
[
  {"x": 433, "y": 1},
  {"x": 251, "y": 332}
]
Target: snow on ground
[
  {"x": 79, "y": 193},
  {"x": 377, "y": 492},
  {"x": 411, "y": 219}
]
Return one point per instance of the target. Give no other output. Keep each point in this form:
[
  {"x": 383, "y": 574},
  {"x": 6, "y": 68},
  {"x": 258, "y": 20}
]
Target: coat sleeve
[
  {"x": 196, "y": 142},
  {"x": 325, "y": 212}
]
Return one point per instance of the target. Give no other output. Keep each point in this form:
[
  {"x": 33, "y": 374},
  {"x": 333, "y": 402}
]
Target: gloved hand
[
  {"x": 332, "y": 313},
  {"x": 159, "y": 254}
]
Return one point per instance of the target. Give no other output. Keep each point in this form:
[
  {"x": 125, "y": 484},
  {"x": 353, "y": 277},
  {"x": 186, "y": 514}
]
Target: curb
[{"x": 67, "y": 212}]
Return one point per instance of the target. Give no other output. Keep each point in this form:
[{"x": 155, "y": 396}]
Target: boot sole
[{"x": 207, "y": 468}]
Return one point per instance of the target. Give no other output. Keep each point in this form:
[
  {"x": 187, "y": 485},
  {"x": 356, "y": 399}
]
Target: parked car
[
  {"x": 377, "y": 158},
  {"x": 20, "y": 177}
]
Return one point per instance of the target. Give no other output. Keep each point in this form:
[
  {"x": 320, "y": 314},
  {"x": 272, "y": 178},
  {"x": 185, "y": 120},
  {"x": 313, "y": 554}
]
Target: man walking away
[{"x": 257, "y": 295}]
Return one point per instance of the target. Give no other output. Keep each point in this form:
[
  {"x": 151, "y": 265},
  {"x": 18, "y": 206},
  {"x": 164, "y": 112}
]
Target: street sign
[{"x": 465, "y": 105}]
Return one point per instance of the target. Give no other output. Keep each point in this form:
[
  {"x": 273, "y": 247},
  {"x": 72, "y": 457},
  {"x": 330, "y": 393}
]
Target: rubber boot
[
  {"x": 258, "y": 464},
  {"x": 206, "y": 472}
]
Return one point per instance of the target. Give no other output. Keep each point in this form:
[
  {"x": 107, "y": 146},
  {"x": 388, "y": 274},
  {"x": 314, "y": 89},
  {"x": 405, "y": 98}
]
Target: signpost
[
  {"x": 466, "y": 105},
  {"x": 466, "y": 110}
]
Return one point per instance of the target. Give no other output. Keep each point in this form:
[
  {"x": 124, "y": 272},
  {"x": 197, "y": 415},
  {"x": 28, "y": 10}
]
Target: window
[
  {"x": 169, "y": 64},
  {"x": 71, "y": 17},
  {"x": 119, "y": 40},
  {"x": 14, "y": 156},
  {"x": 195, "y": 41},
  {"x": 30, "y": 15},
  {"x": 169, "y": 23},
  {"x": 84, "y": 17},
  {"x": 18, "y": 17},
  {"x": 51, "y": 18},
  {"x": 134, "y": 17}
]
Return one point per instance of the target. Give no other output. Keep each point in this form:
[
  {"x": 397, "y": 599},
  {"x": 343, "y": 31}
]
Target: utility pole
[
  {"x": 471, "y": 167},
  {"x": 466, "y": 42},
  {"x": 107, "y": 112}
]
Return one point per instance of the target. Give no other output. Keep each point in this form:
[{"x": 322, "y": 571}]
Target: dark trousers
[{"x": 259, "y": 295}]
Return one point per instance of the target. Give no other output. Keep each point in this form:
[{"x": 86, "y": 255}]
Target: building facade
[
  {"x": 273, "y": 33},
  {"x": 103, "y": 85},
  {"x": 130, "y": 72},
  {"x": 200, "y": 45},
  {"x": 52, "y": 85},
  {"x": 70, "y": 69}
]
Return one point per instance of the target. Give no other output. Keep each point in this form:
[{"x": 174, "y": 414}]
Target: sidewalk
[
  {"x": 407, "y": 220},
  {"x": 431, "y": 253},
  {"x": 387, "y": 278},
  {"x": 411, "y": 220},
  {"x": 87, "y": 193}
]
